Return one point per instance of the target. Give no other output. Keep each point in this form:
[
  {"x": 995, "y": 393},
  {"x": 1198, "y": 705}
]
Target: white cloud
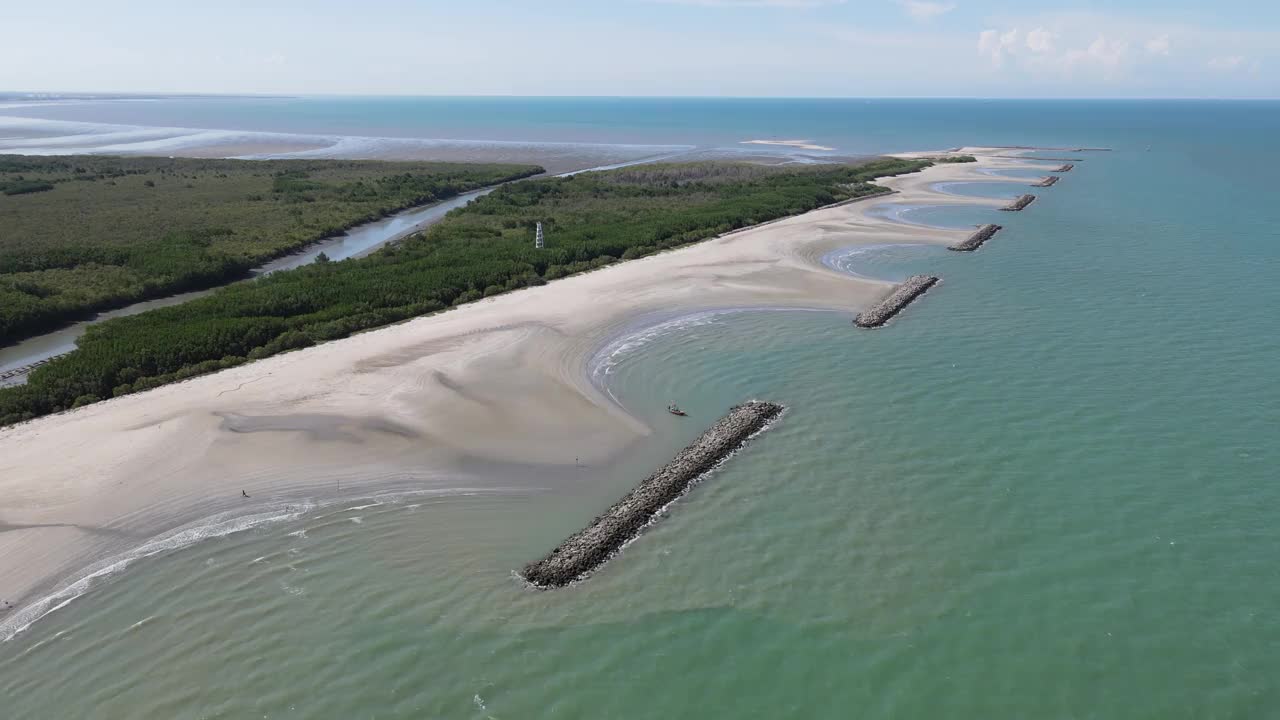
[
  {"x": 1040, "y": 40},
  {"x": 1226, "y": 62},
  {"x": 1102, "y": 51},
  {"x": 925, "y": 10},
  {"x": 1158, "y": 45},
  {"x": 1104, "y": 56},
  {"x": 997, "y": 45}
]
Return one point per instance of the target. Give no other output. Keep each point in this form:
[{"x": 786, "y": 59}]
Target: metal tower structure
[{"x": 539, "y": 241}]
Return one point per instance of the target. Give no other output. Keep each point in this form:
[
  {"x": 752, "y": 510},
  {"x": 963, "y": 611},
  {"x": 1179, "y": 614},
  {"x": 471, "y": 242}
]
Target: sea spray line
[
  {"x": 591, "y": 547},
  {"x": 603, "y": 362},
  {"x": 949, "y": 187},
  {"x": 894, "y": 302},
  {"x": 842, "y": 259},
  {"x": 214, "y": 526}
]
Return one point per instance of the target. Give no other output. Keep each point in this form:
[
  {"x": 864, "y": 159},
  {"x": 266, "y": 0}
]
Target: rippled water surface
[{"x": 1047, "y": 490}]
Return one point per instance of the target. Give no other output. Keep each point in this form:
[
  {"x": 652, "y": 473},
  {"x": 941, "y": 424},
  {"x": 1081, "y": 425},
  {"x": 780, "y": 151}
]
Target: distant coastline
[{"x": 797, "y": 144}]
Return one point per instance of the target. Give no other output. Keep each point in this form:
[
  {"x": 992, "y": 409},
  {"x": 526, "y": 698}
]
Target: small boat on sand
[{"x": 675, "y": 410}]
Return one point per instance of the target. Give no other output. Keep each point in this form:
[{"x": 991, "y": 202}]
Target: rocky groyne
[
  {"x": 1064, "y": 168},
  {"x": 974, "y": 241},
  {"x": 881, "y": 312},
  {"x": 589, "y": 548},
  {"x": 1046, "y": 182},
  {"x": 1020, "y": 203}
]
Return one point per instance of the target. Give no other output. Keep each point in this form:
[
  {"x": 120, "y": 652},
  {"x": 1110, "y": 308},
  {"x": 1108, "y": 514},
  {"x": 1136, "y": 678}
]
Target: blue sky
[{"x": 810, "y": 48}]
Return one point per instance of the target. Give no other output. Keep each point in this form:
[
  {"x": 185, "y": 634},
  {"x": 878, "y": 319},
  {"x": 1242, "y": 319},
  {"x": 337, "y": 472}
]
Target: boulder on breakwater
[
  {"x": 1047, "y": 182},
  {"x": 591, "y": 547},
  {"x": 1064, "y": 168},
  {"x": 974, "y": 241},
  {"x": 879, "y": 314},
  {"x": 1018, "y": 204}
]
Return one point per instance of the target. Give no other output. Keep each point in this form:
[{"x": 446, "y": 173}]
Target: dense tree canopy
[
  {"x": 486, "y": 248},
  {"x": 85, "y": 233}
]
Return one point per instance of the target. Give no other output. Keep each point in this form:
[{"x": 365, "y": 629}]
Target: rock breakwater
[
  {"x": 1064, "y": 168},
  {"x": 975, "y": 241},
  {"x": 1021, "y": 202},
  {"x": 1047, "y": 182},
  {"x": 591, "y": 547},
  {"x": 902, "y": 296}
]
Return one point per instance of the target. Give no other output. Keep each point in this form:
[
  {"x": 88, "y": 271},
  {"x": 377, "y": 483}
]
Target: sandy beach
[{"x": 500, "y": 381}]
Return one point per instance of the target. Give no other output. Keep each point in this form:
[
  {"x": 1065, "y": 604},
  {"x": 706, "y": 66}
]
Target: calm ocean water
[{"x": 1047, "y": 491}]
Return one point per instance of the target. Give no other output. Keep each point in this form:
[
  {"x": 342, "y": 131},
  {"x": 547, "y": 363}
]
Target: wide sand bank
[{"x": 413, "y": 405}]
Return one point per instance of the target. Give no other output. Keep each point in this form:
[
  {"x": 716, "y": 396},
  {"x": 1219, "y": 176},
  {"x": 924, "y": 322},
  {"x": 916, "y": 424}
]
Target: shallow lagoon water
[
  {"x": 1046, "y": 490},
  {"x": 951, "y": 217},
  {"x": 1000, "y": 190}
]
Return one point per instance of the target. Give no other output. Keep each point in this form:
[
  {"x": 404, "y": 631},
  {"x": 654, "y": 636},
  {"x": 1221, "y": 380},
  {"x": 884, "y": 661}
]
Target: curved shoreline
[
  {"x": 211, "y": 527},
  {"x": 500, "y": 380}
]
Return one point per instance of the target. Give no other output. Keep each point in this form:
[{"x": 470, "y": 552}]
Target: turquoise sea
[{"x": 1048, "y": 490}]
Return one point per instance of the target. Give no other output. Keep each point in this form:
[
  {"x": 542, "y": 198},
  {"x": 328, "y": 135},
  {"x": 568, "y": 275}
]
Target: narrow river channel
[{"x": 356, "y": 242}]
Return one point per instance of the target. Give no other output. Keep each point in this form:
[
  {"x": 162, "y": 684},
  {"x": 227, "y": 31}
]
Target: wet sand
[
  {"x": 503, "y": 380},
  {"x": 35, "y": 136}
]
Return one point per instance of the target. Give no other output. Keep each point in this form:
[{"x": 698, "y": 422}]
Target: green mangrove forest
[
  {"x": 80, "y": 234},
  {"x": 486, "y": 248}
]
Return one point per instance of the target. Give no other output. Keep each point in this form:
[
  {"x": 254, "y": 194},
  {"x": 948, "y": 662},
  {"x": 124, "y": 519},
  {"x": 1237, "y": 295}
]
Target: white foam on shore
[
  {"x": 142, "y": 622},
  {"x": 213, "y": 527},
  {"x": 216, "y": 526},
  {"x": 1012, "y": 174},
  {"x": 951, "y": 187},
  {"x": 845, "y": 260},
  {"x": 604, "y": 362}
]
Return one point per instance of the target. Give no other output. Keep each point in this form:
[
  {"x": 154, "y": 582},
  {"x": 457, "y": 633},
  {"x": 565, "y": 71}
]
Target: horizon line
[{"x": 84, "y": 94}]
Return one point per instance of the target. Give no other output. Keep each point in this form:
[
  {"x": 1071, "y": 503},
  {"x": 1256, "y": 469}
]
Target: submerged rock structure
[
  {"x": 591, "y": 547},
  {"x": 1064, "y": 168},
  {"x": 1047, "y": 182},
  {"x": 881, "y": 312},
  {"x": 26, "y": 369},
  {"x": 974, "y": 241},
  {"x": 1021, "y": 202}
]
